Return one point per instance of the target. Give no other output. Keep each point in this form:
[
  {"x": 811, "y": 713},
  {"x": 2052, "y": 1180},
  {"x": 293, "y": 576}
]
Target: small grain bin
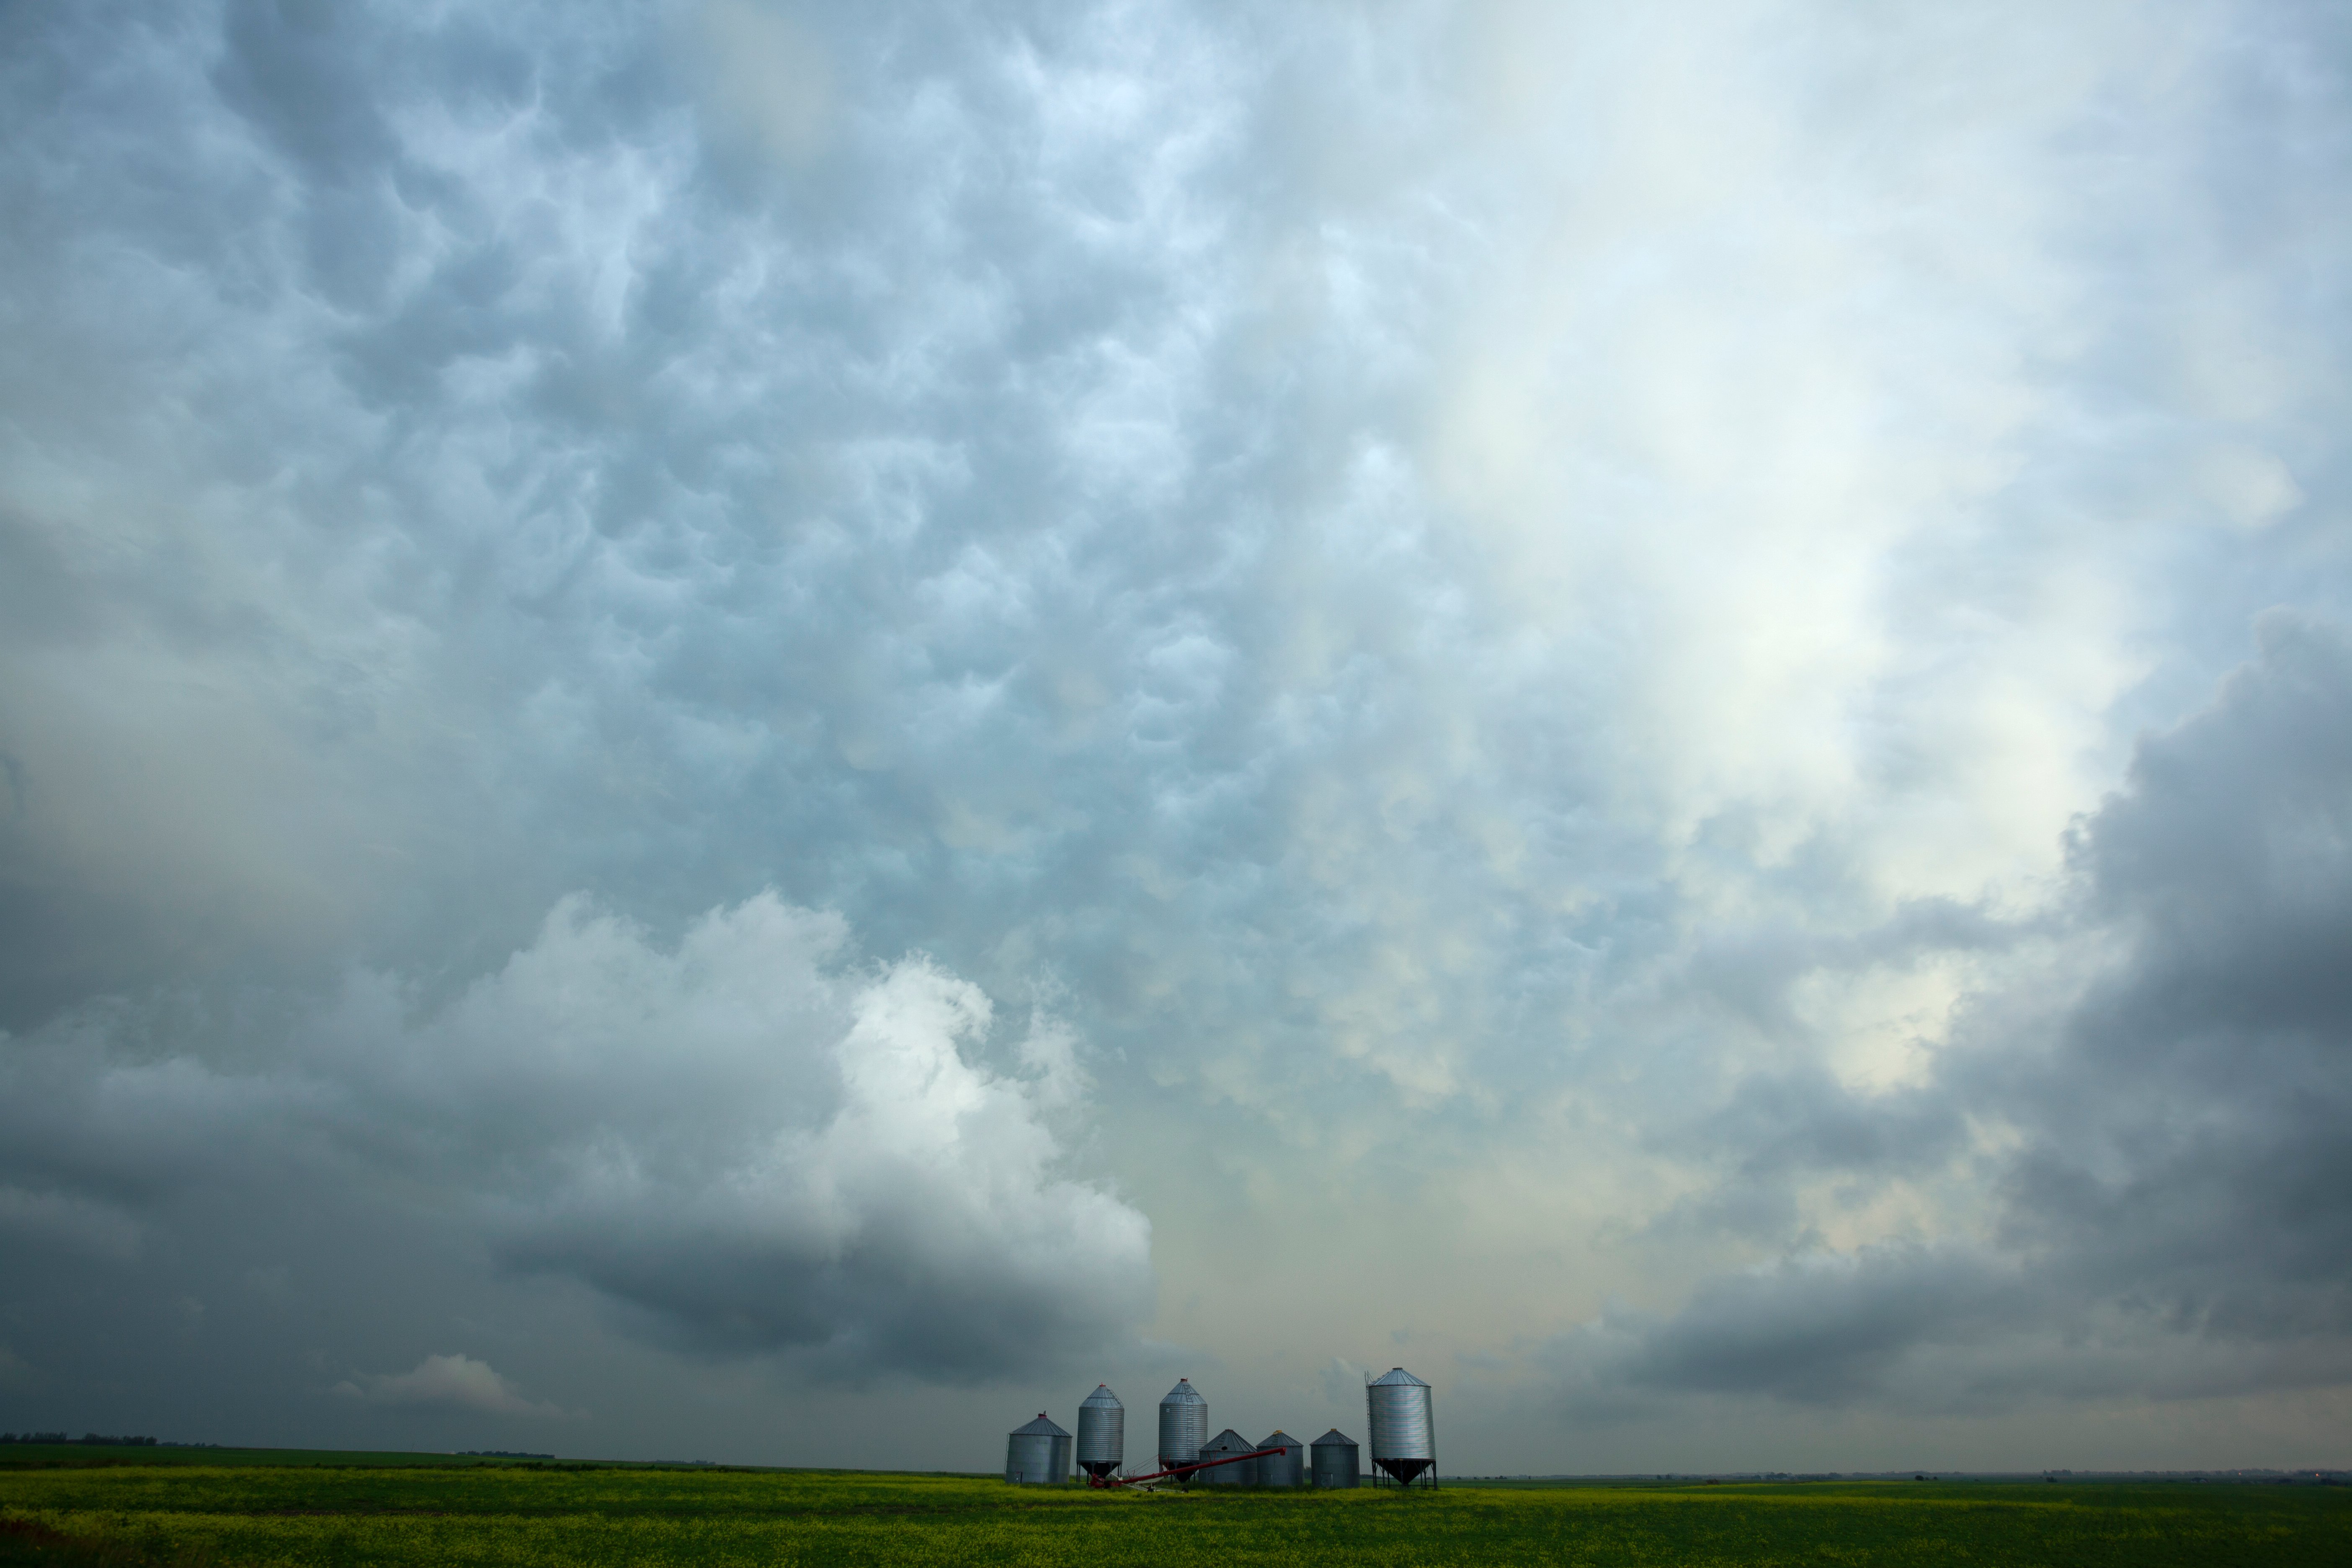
[
  {"x": 1287, "y": 1468},
  {"x": 1335, "y": 1461},
  {"x": 1038, "y": 1455},
  {"x": 1241, "y": 1473}
]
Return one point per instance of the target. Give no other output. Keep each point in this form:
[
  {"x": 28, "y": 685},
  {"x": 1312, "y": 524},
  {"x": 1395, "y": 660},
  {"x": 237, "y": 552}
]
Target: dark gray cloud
[
  {"x": 2191, "y": 1121},
  {"x": 2165, "y": 1109}
]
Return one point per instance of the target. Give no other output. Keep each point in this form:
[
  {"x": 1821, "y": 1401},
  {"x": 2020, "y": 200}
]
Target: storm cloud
[
  {"x": 716, "y": 706},
  {"x": 2159, "y": 1115},
  {"x": 752, "y": 1152}
]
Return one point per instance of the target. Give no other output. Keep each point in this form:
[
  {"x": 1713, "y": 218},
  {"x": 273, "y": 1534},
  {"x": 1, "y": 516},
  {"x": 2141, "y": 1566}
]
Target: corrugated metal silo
[
  {"x": 1241, "y": 1473},
  {"x": 1288, "y": 1469},
  {"x": 1102, "y": 1432},
  {"x": 1404, "y": 1434},
  {"x": 1183, "y": 1424},
  {"x": 1335, "y": 1461},
  {"x": 1037, "y": 1453}
]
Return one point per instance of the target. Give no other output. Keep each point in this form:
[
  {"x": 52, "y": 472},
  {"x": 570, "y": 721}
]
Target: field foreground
[{"x": 469, "y": 1512}]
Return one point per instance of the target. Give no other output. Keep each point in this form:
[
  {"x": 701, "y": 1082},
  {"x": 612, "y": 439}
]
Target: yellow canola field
[{"x": 541, "y": 1514}]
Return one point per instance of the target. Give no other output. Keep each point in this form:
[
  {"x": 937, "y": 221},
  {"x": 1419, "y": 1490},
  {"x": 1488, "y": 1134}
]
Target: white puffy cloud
[{"x": 774, "y": 1160}]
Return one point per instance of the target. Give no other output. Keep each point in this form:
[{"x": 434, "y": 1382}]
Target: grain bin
[
  {"x": 1241, "y": 1473},
  {"x": 1183, "y": 1424},
  {"x": 1038, "y": 1455},
  {"x": 1405, "y": 1435},
  {"x": 1288, "y": 1469},
  {"x": 1102, "y": 1433},
  {"x": 1335, "y": 1462}
]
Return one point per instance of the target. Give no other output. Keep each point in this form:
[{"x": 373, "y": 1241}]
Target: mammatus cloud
[
  {"x": 2159, "y": 1115},
  {"x": 750, "y": 1146},
  {"x": 446, "y": 1382}
]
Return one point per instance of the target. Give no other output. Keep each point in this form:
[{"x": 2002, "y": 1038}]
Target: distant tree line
[
  {"x": 85, "y": 1438},
  {"x": 498, "y": 1454}
]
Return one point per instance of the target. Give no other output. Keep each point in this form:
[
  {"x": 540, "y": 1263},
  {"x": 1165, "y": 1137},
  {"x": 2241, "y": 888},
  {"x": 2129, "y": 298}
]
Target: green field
[{"x": 140, "y": 1507}]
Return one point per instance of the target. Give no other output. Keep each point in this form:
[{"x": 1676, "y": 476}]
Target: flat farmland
[{"x": 395, "y": 1509}]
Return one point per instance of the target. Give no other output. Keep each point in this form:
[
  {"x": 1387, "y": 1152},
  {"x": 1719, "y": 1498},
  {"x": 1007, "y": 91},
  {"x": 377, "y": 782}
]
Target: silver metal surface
[
  {"x": 1037, "y": 1453},
  {"x": 1334, "y": 1459},
  {"x": 1404, "y": 1434},
  {"x": 1243, "y": 1473},
  {"x": 1183, "y": 1424},
  {"x": 1102, "y": 1432},
  {"x": 1286, "y": 1470}
]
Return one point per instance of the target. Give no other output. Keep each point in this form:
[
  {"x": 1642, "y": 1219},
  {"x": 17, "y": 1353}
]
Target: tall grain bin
[
  {"x": 1102, "y": 1433},
  {"x": 1405, "y": 1435},
  {"x": 1335, "y": 1462},
  {"x": 1288, "y": 1469},
  {"x": 1038, "y": 1455},
  {"x": 1241, "y": 1473},
  {"x": 1183, "y": 1424}
]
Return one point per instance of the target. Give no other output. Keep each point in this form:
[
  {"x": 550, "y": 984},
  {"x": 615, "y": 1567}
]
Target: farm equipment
[{"x": 1179, "y": 1472}]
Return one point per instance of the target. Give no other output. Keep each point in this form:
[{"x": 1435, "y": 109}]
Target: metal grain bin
[
  {"x": 1335, "y": 1461},
  {"x": 1038, "y": 1455},
  {"x": 1405, "y": 1435},
  {"x": 1102, "y": 1433},
  {"x": 1183, "y": 1424},
  {"x": 1288, "y": 1469},
  {"x": 1243, "y": 1473}
]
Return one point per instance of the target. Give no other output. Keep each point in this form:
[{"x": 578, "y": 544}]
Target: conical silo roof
[
  {"x": 1228, "y": 1442},
  {"x": 1102, "y": 1398},
  {"x": 1334, "y": 1439},
  {"x": 1394, "y": 1375},
  {"x": 1040, "y": 1427},
  {"x": 1184, "y": 1394},
  {"x": 1279, "y": 1438}
]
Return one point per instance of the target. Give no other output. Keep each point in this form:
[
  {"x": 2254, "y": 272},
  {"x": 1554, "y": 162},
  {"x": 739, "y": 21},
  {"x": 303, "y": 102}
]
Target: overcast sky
[{"x": 768, "y": 732}]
